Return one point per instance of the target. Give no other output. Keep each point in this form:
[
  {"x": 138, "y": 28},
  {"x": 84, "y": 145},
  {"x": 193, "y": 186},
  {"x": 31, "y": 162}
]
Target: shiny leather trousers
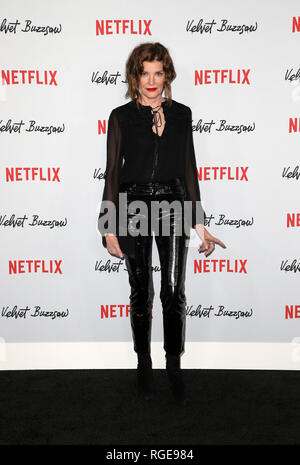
[{"x": 172, "y": 250}]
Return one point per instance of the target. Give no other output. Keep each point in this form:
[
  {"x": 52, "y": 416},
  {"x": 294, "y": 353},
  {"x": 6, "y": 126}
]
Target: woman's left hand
[{"x": 208, "y": 240}]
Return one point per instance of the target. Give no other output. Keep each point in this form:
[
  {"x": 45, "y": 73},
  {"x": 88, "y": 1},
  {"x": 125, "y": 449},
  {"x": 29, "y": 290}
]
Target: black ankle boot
[
  {"x": 175, "y": 377},
  {"x": 145, "y": 376}
]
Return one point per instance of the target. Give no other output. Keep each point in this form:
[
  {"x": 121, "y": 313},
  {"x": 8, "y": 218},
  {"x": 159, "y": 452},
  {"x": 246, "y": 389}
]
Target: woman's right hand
[
  {"x": 208, "y": 240},
  {"x": 112, "y": 245}
]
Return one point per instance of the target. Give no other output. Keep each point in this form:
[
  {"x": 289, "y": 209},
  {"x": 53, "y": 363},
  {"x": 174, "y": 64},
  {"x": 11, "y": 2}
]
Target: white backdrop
[{"x": 62, "y": 72}]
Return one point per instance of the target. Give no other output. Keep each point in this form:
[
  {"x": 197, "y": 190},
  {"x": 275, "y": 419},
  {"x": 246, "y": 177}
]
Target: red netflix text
[
  {"x": 228, "y": 173},
  {"x": 220, "y": 266},
  {"x": 123, "y": 26},
  {"x": 222, "y": 76},
  {"x": 32, "y": 174},
  {"x": 292, "y": 311},
  {"x": 28, "y": 76},
  {"x": 34, "y": 266}
]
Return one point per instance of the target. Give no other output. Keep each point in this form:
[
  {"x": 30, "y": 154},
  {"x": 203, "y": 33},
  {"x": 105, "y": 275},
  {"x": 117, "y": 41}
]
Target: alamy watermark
[{"x": 133, "y": 216}]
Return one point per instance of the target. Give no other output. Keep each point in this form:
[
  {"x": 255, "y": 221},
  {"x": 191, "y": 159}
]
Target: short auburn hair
[{"x": 149, "y": 51}]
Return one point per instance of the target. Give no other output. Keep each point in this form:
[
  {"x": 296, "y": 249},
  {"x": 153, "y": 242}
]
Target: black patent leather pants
[{"x": 172, "y": 250}]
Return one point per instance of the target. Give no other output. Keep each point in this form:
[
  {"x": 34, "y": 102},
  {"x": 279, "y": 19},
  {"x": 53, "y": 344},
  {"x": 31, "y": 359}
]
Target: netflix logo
[
  {"x": 115, "y": 311},
  {"x": 222, "y": 76},
  {"x": 28, "y": 76},
  {"x": 293, "y": 220},
  {"x": 292, "y": 312},
  {"x": 102, "y": 126},
  {"x": 32, "y": 174},
  {"x": 34, "y": 266},
  {"x": 220, "y": 266},
  {"x": 294, "y": 125},
  {"x": 123, "y": 26},
  {"x": 296, "y": 24},
  {"x": 228, "y": 173}
]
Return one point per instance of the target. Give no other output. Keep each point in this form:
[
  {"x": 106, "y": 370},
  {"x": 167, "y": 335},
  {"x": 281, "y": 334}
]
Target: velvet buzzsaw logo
[
  {"x": 12, "y": 27},
  {"x": 207, "y": 27}
]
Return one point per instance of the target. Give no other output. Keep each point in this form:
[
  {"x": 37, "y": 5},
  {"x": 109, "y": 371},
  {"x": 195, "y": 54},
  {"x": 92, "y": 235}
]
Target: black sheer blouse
[{"x": 131, "y": 146}]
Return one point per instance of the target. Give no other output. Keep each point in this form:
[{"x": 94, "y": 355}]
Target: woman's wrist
[{"x": 200, "y": 230}]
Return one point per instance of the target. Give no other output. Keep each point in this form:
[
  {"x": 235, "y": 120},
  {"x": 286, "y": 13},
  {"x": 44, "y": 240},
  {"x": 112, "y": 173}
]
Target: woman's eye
[{"x": 159, "y": 73}]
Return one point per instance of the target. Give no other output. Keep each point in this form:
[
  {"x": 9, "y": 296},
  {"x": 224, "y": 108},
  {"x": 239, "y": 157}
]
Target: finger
[
  {"x": 119, "y": 252},
  {"x": 204, "y": 246},
  {"x": 217, "y": 241},
  {"x": 118, "y": 255},
  {"x": 210, "y": 249},
  {"x": 116, "y": 252}
]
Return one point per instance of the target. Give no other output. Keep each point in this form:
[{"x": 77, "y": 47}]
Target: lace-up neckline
[{"x": 151, "y": 112}]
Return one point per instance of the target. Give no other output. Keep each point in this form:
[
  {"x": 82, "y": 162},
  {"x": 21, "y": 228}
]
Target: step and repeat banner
[{"x": 62, "y": 72}]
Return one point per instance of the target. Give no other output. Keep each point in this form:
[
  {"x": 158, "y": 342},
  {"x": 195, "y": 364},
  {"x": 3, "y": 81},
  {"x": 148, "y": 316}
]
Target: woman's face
[{"x": 152, "y": 80}]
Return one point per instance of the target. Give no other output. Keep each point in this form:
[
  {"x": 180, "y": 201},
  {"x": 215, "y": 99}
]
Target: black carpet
[{"x": 101, "y": 407}]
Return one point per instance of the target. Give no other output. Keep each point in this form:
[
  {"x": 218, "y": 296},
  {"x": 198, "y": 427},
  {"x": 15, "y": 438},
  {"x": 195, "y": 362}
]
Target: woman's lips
[{"x": 151, "y": 89}]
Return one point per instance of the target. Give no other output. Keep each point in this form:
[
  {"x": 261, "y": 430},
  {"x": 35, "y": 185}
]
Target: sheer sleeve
[
  {"x": 112, "y": 175},
  {"x": 191, "y": 177}
]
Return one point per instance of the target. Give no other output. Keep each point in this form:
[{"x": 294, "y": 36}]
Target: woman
[{"x": 150, "y": 157}]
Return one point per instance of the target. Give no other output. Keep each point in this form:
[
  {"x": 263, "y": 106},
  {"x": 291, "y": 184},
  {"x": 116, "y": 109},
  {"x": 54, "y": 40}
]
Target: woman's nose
[{"x": 151, "y": 79}]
